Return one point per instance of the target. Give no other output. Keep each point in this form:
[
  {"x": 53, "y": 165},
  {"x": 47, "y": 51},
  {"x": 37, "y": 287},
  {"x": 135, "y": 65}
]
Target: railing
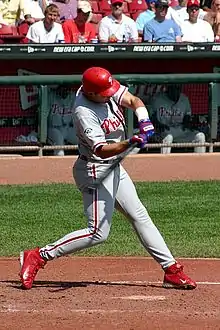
[{"x": 43, "y": 81}]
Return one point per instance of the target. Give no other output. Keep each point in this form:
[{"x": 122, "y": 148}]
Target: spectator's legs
[
  {"x": 199, "y": 138},
  {"x": 55, "y": 137},
  {"x": 168, "y": 139}
]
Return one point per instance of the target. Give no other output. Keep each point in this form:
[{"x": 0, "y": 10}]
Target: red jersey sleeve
[
  {"x": 92, "y": 32},
  {"x": 70, "y": 33}
]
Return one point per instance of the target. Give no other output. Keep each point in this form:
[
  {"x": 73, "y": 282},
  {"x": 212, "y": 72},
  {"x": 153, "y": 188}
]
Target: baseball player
[
  {"x": 60, "y": 119},
  {"x": 171, "y": 113},
  {"x": 101, "y": 134}
]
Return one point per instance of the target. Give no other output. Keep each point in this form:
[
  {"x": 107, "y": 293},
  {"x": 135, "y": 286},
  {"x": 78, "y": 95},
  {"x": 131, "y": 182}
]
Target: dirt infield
[
  {"x": 140, "y": 167},
  {"x": 109, "y": 293}
]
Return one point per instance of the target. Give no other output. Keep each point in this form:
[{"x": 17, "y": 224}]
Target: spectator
[
  {"x": 80, "y": 30},
  {"x": 160, "y": 29},
  {"x": 171, "y": 115},
  {"x": 117, "y": 27},
  {"x": 67, "y": 8},
  {"x": 148, "y": 14},
  {"x": 47, "y": 30},
  {"x": 60, "y": 121},
  {"x": 206, "y": 5},
  {"x": 36, "y": 11},
  {"x": 194, "y": 29},
  {"x": 213, "y": 18},
  {"x": 183, "y": 14},
  {"x": 13, "y": 11},
  {"x": 145, "y": 16}
]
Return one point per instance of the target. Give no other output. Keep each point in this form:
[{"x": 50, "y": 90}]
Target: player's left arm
[{"x": 134, "y": 103}]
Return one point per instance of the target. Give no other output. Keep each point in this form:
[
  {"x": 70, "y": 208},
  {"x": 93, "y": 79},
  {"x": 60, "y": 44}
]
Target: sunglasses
[
  {"x": 117, "y": 4},
  {"x": 193, "y": 8},
  {"x": 161, "y": 7}
]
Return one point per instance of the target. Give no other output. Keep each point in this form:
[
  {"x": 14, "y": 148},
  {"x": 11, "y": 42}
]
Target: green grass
[{"x": 187, "y": 214}]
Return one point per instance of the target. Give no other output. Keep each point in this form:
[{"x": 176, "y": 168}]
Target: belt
[{"x": 110, "y": 161}]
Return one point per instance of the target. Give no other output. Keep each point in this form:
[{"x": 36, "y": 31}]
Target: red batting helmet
[{"x": 100, "y": 81}]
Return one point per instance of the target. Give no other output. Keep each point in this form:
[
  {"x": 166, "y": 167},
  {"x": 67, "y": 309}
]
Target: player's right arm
[{"x": 91, "y": 133}]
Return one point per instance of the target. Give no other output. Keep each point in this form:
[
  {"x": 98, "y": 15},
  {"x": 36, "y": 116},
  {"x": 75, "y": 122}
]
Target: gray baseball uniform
[
  {"x": 60, "y": 121},
  {"x": 96, "y": 125},
  {"x": 171, "y": 114}
]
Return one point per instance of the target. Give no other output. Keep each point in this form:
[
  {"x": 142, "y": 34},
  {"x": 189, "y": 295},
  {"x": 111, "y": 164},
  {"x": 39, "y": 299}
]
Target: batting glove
[
  {"x": 140, "y": 139},
  {"x": 146, "y": 127}
]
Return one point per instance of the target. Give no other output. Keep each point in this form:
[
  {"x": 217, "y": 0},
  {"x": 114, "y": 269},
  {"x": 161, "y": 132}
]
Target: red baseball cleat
[
  {"x": 31, "y": 262},
  {"x": 174, "y": 277}
]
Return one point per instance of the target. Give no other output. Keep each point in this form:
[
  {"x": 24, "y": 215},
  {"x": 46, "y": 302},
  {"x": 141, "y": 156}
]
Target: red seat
[
  {"x": 125, "y": 7},
  {"x": 6, "y": 29},
  {"x": 23, "y": 28},
  {"x": 95, "y": 6},
  {"x": 104, "y": 6},
  {"x": 137, "y": 5},
  {"x": 96, "y": 18},
  {"x": 136, "y": 14}
]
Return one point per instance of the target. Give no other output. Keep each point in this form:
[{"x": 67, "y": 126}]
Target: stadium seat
[
  {"x": 106, "y": 13},
  {"x": 6, "y": 29},
  {"x": 9, "y": 34},
  {"x": 104, "y": 6},
  {"x": 136, "y": 14},
  {"x": 23, "y": 28},
  {"x": 96, "y": 18},
  {"x": 95, "y": 6},
  {"x": 136, "y": 5}
]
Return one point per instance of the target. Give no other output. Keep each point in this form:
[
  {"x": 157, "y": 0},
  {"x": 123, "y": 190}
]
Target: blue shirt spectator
[
  {"x": 164, "y": 31},
  {"x": 146, "y": 16},
  {"x": 161, "y": 29}
]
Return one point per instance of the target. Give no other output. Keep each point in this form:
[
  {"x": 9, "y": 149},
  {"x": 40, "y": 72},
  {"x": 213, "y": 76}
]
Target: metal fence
[{"x": 209, "y": 83}]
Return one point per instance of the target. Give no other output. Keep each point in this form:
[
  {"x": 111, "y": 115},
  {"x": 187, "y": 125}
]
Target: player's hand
[
  {"x": 146, "y": 127},
  {"x": 140, "y": 139}
]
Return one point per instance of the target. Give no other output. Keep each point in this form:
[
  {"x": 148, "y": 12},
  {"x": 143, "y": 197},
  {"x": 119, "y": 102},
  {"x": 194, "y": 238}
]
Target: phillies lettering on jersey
[
  {"x": 98, "y": 123},
  {"x": 170, "y": 113},
  {"x": 173, "y": 112},
  {"x": 57, "y": 109},
  {"x": 110, "y": 125}
]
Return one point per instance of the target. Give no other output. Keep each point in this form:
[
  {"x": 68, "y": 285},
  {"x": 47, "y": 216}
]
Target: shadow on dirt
[{"x": 64, "y": 285}]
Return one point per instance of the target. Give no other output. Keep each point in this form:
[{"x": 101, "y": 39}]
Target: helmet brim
[{"x": 112, "y": 90}]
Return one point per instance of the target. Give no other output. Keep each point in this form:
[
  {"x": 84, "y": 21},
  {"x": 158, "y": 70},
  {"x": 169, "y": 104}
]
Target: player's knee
[
  {"x": 101, "y": 235},
  {"x": 200, "y": 137}
]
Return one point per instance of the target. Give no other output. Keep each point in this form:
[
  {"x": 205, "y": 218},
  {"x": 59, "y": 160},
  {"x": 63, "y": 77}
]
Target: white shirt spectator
[
  {"x": 201, "y": 31},
  {"x": 172, "y": 14},
  {"x": 126, "y": 30},
  {"x": 35, "y": 9},
  {"x": 38, "y": 34},
  {"x": 183, "y": 15}
]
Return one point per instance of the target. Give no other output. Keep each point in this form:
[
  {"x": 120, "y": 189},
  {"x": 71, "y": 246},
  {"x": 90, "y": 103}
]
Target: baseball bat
[{"x": 118, "y": 160}]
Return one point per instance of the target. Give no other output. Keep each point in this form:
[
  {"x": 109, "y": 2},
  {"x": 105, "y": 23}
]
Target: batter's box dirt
[{"x": 109, "y": 293}]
